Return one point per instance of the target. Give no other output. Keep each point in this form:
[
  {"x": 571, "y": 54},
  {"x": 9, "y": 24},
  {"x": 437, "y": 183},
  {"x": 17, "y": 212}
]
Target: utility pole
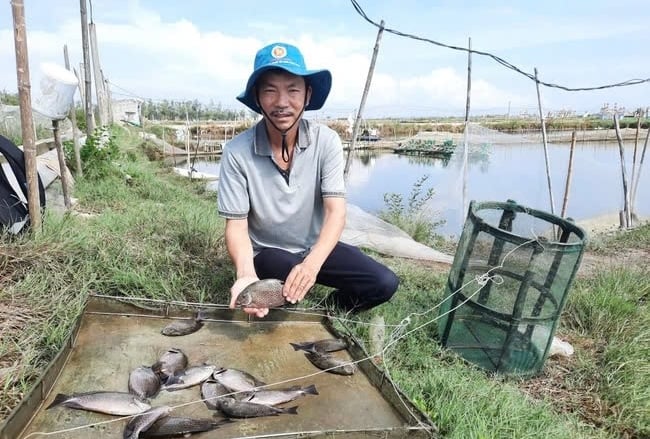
[
  {"x": 102, "y": 104},
  {"x": 88, "y": 90},
  {"x": 26, "y": 117}
]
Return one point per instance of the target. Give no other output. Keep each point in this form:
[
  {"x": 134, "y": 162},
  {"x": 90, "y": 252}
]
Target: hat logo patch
[{"x": 279, "y": 52}]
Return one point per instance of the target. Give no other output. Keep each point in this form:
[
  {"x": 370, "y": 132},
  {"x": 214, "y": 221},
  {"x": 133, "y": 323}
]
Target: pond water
[{"x": 495, "y": 173}]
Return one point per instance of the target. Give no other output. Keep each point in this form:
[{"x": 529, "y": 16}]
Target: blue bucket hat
[{"x": 287, "y": 57}]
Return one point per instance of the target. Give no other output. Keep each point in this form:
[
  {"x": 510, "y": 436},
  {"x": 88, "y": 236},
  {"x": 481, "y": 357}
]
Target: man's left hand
[{"x": 301, "y": 278}]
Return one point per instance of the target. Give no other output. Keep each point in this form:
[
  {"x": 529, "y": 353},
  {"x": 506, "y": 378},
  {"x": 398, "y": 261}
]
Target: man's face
[{"x": 282, "y": 96}]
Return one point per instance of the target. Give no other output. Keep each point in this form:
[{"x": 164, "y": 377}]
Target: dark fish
[
  {"x": 144, "y": 382},
  {"x": 211, "y": 391},
  {"x": 189, "y": 377},
  {"x": 142, "y": 422},
  {"x": 266, "y": 293},
  {"x": 183, "y": 327},
  {"x": 237, "y": 380},
  {"x": 176, "y": 426},
  {"x": 331, "y": 364},
  {"x": 326, "y": 345},
  {"x": 275, "y": 397},
  {"x": 169, "y": 363},
  {"x": 111, "y": 403},
  {"x": 243, "y": 409}
]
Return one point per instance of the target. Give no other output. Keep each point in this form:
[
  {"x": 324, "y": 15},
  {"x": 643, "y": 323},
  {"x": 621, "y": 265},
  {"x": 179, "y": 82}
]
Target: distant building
[
  {"x": 127, "y": 110},
  {"x": 608, "y": 112}
]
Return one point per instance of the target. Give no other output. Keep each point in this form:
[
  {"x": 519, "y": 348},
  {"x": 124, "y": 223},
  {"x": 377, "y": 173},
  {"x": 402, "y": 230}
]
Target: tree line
[{"x": 194, "y": 110}]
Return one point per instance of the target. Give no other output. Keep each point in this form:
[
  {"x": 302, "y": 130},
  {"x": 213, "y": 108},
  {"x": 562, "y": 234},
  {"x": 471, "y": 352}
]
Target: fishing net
[{"x": 507, "y": 286}]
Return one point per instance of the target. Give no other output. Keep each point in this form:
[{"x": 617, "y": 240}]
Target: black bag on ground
[{"x": 14, "y": 213}]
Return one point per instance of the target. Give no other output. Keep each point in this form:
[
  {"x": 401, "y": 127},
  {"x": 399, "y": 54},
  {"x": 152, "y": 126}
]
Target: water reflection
[{"x": 495, "y": 172}]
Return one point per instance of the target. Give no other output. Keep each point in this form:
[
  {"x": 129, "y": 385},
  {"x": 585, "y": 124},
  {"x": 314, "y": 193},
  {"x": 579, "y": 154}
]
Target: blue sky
[{"x": 204, "y": 50}]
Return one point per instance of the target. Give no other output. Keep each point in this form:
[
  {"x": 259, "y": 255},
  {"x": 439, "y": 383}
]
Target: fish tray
[{"x": 115, "y": 335}]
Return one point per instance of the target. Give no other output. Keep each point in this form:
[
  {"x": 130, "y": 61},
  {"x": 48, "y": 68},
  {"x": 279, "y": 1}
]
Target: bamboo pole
[
  {"x": 636, "y": 145},
  {"x": 366, "y": 89},
  {"x": 569, "y": 172},
  {"x": 26, "y": 117},
  {"x": 73, "y": 121},
  {"x": 88, "y": 108},
  {"x": 548, "y": 167},
  {"x": 62, "y": 166},
  {"x": 466, "y": 134},
  {"x": 635, "y": 183},
  {"x": 627, "y": 218}
]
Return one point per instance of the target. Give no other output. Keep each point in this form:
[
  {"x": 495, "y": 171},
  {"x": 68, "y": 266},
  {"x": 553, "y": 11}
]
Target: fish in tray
[
  {"x": 172, "y": 426},
  {"x": 265, "y": 293},
  {"x": 191, "y": 376},
  {"x": 172, "y": 361},
  {"x": 325, "y": 345},
  {"x": 244, "y": 409},
  {"x": 144, "y": 382},
  {"x": 110, "y": 403},
  {"x": 183, "y": 326},
  {"x": 237, "y": 380},
  {"x": 142, "y": 422},
  {"x": 276, "y": 397},
  {"x": 212, "y": 391},
  {"x": 330, "y": 363}
]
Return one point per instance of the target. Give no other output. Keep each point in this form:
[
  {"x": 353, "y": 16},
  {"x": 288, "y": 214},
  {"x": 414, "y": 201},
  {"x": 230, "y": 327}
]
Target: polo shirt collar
[{"x": 261, "y": 142}]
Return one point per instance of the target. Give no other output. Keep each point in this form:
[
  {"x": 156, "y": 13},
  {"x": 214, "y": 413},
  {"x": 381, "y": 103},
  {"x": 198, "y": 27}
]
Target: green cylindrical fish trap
[{"x": 507, "y": 286}]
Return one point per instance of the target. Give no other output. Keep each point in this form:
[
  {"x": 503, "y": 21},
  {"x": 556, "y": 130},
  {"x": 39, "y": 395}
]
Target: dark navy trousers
[{"x": 361, "y": 282}]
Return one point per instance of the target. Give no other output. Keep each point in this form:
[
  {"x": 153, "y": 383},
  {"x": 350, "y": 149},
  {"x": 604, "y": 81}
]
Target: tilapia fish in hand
[{"x": 265, "y": 293}]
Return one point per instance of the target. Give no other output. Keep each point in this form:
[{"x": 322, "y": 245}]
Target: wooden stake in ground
[
  {"x": 357, "y": 121},
  {"x": 73, "y": 121},
  {"x": 636, "y": 146},
  {"x": 569, "y": 171},
  {"x": 543, "y": 122},
  {"x": 88, "y": 108},
  {"x": 635, "y": 183},
  {"x": 627, "y": 217},
  {"x": 465, "y": 205},
  {"x": 26, "y": 118},
  {"x": 62, "y": 166}
]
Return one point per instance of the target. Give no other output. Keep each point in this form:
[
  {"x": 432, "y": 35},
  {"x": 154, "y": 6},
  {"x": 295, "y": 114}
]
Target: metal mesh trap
[{"x": 510, "y": 278}]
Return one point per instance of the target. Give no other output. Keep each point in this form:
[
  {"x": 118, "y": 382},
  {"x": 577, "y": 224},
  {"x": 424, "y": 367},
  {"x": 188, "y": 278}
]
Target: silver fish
[
  {"x": 111, "y": 403},
  {"x": 189, "y": 377},
  {"x": 182, "y": 327},
  {"x": 325, "y": 345},
  {"x": 331, "y": 364},
  {"x": 142, "y": 422},
  {"x": 275, "y": 397},
  {"x": 144, "y": 382},
  {"x": 265, "y": 293},
  {"x": 177, "y": 426},
  {"x": 211, "y": 391},
  {"x": 237, "y": 380},
  {"x": 243, "y": 409},
  {"x": 169, "y": 363}
]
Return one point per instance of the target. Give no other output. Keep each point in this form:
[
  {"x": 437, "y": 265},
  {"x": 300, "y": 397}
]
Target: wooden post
[
  {"x": 626, "y": 198},
  {"x": 636, "y": 145},
  {"x": 548, "y": 170},
  {"x": 102, "y": 105},
  {"x": 90, "y": 121},
  {"x": 357, "y": 121},
  {"x": 466, "y": 134},
  {"x": 62, "y": 166},
  {"x": 26, "y": 117},
  {"x": 567, "y": 186},
  {"x": 635, "y": 183},
  {"x": 73, "y": 121}
]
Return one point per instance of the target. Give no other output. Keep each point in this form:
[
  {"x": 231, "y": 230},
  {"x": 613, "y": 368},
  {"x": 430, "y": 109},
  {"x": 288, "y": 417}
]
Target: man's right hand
[{"x": 238, "y": 287}]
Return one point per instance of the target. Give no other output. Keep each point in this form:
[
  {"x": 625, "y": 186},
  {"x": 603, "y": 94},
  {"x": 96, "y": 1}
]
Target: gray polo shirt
[{"x": 283, "y": 211}]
